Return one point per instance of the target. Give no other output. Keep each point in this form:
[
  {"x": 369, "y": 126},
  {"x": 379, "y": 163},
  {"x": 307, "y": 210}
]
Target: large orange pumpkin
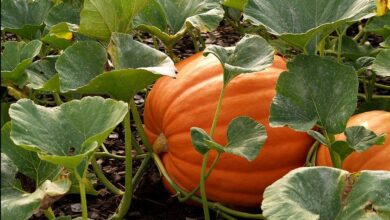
[
  {"x": 175, "y": 105},
  {"x": 376, "y": 157}
]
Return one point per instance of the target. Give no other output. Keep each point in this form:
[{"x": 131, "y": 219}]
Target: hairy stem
[
  {"x": 138, "y": 124},
  {"x": 99, "y": 173},
  {"x": 126, "y": 199}
]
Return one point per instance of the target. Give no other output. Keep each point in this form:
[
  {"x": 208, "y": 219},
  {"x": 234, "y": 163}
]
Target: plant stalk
[
  {"x": 138, "y": 124},
  {"x": 142, "y": 167},
  {"x": 126, "y": 199},
  {"x": 83, "y": 200},
  {"x": 312, "y": 153},
  {"x": 49, "y": 214},
  {"x": 99, "y": 173},
  {"x": 118, "y": 157},
  {"x": 206, "y": 157}
]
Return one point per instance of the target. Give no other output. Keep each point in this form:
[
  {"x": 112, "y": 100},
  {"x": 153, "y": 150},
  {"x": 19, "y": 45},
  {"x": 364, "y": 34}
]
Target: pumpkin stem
[{"x": 160, "y": 144}]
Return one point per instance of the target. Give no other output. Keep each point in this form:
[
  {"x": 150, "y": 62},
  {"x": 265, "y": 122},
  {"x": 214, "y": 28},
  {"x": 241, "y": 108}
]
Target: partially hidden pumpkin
[
  {"x": 175, "y": 105},
  {"x": 376, "y": 157}
]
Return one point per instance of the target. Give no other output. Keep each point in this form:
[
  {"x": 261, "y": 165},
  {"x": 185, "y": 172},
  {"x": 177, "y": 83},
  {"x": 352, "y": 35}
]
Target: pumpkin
[
  {"x": 175, "y": 105},
  {"x": 376, "y": 157}
]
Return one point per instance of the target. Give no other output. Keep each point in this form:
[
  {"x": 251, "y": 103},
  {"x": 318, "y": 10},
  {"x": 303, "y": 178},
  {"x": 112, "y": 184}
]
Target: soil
[{"x": 151, "y": 201}]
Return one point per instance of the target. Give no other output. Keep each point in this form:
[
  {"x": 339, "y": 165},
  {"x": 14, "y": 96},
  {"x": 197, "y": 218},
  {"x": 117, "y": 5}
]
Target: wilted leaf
[
  {"x": 18, "y": 204},
  {"x": 328, "y": 193}
]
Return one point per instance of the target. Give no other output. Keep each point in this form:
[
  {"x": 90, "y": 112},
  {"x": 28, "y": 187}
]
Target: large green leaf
[
  {"x": 66, "y": 134},
  {"x": 315, "y": 91},
  {"x": 26, "y": 161},
  {"x": 18, "y": 204},
  {"x": 328, "y": 194},
  {"x": 252, "y": 53},
  {"x": 24, "y": 17},
  {"x": 80, "y": 63},
  {"x": 66, "y": 11},
  {"x": 304, "y": 22},
  {"x": 15, "y": 59},
  {"x": 175, "y": 15},
  {"x": 60, "y": 35},
  {"x": 137, "y": 64},
  {"x": 99, "y": 18},
  {"x": 381, "y": 65},
  {"x": 42, "y": 75}
]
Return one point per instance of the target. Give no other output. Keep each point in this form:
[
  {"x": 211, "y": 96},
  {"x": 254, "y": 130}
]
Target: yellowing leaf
[{"x": 64, "y": 35}]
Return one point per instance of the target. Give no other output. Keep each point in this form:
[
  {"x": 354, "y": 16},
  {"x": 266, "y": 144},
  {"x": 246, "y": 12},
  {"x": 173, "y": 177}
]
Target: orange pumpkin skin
[
  {"x": 376, "y": 157},
  {"x": 175, "y": 105}
]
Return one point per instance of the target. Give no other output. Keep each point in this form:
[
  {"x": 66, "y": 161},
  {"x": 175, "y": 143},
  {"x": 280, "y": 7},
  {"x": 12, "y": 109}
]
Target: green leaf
[
  {"x": 352, "y": 50},
  {"x": 66, "y": 134},
  {"x": 99, "y": 18},
  {"x": 314, "y": 91},
  {"x": 386, "y": 43},
  {"x": 80, "y": 63},
  {"x": 302, "y": 194},
  {"x": 24, "y": 17},
  {"x": 4, "y": 112},
  {"x": 364, "y": 62},
  {"x": 381, "y": 65},
  {"x": 141, "y": 65},
  {"x": 236, "y": 4},
  {"x": 319, "y": 137},
  {"x": 360, "y": 138},
  {"x": 245, "y": 137},
  {"x": 18, "y": 204},
  {"x": 375, "y": 104},
  {"x": 152, "y": 14},
  {"x": 251, "y": 54},
  {"x": 379, "y": 25},
  {"x": 15, "y": 59},
  {"x": 26, "y": 161},
  {"x": 199, "y": 138},
  {"x": 304, "y": 22},
  {"x": 42, "y": 75},
  {"x": 343, "y": 149},
  {"x": 60, "y": 35},
  {"x": 120, "y": 84},
  {"x": 66, "y": 11},
  {"x": 127, "y": 53},
  {"x": 177, "y": 15}
]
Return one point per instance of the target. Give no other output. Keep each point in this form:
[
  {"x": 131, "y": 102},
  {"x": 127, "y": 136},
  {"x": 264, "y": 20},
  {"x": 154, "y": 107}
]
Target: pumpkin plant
[{"x": 202, "y": 78}]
